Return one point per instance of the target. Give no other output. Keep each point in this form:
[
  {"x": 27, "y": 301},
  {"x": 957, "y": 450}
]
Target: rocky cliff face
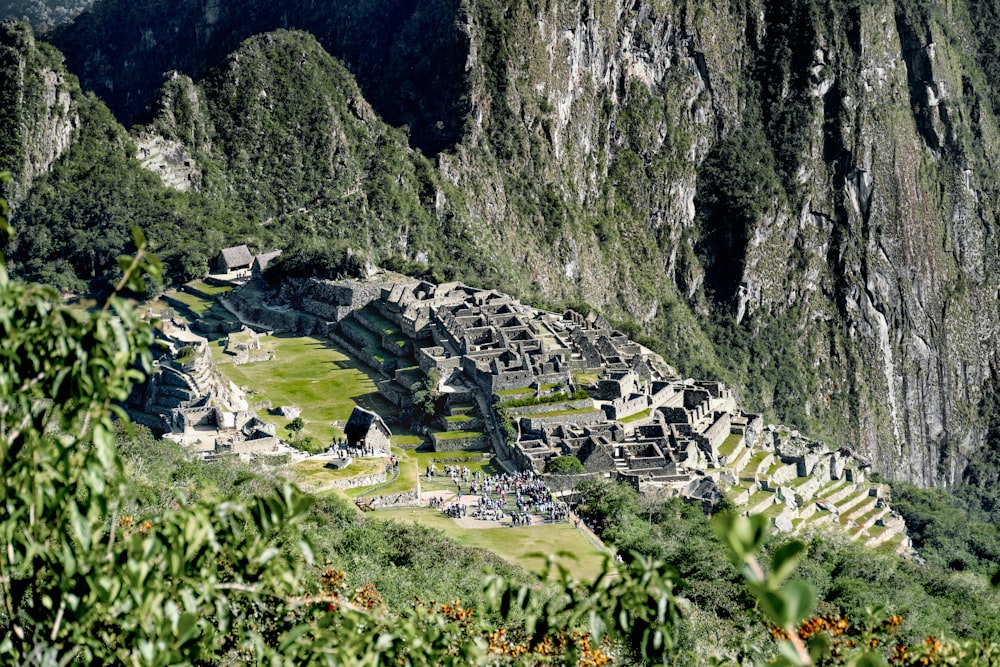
[
  {"x": 871, "y": 235},
  {"x": 798, "y": 195},
  {"x": 39, "y": 114}
]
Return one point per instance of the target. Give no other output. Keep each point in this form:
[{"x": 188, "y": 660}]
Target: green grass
[
  {"x": 636, "y": 417},
  {"x": 198, "y": 305},
  {"x": 751, "y": 467},
  {"x": 759, "y": 497},
  {"x": 729, "y": 445},
  {"x": 562, "y": 413},
  {"x": 512, "y": 544},
  {"x": 581, "y": 379},
  {"x": 452, "y": 435},
  {"x": 313, "y": 475},
  {"x": 402, "y": 439},
  {"x": 890, "y": 545},
  {"x": 209, "y": 290},
  {"x": 458, "y": 418},
  {"x": 518, "y": 391},
  {"x": 313, "y": 375}
]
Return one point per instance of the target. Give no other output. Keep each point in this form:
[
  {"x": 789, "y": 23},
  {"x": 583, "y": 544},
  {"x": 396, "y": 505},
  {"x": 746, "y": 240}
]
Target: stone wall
[
  {"x": 535, "y": 424},
  {"x": 408, "y": 499},
  {"x": 675, "y": 415},
  {"x": 457, "y": 444},
  {"x": 255, "y": 446},
  {"x": 362, "y": 480},
  {"x": 550, "y": 407},
  {"x": 262, "y": 317},
  {"x": 717, "y": 433},
  {"x": 557, "y": 483},
  {"x": 622, "y": 408}
]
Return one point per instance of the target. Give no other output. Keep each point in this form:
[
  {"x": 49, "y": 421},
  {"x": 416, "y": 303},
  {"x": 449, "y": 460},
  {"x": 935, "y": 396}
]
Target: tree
[
  {"x": 564, "y": 465},
  {"x": 294, "y": 428}
]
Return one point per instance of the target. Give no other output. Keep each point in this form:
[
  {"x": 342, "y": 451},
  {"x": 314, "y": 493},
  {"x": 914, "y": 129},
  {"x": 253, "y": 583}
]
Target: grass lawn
[
  {"x": 413, "y": 463},
  {"x": 314, "y": 476},
  {"x": 451, "y": 435},
  {"x": 197, "y": 304},
  {"x": 519, "y": 391},
  {"x": 313, "y": 375},
  {"x": 636, "y": 417},
  {"x": 512, "y": 544},
  {"x": 458, "y": 418},
  {"x": 209, "y": 290},
  {"x": 729, "y": 445},
  {"x": 582, "y": 379}
]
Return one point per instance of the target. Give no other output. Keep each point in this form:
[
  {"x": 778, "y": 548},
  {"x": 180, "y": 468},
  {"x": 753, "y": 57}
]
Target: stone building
[
  {"x": 237, "y": 258},
  {"x": 366, "y": 429}
]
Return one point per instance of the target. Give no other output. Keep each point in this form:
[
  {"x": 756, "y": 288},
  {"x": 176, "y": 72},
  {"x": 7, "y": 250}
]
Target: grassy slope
[
  {"x": 313, "y": 375},
  {"x": 516, "y": 545}
]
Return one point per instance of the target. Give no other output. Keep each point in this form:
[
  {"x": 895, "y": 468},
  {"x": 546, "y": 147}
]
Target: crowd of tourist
[{"x": 519, "y": 495}]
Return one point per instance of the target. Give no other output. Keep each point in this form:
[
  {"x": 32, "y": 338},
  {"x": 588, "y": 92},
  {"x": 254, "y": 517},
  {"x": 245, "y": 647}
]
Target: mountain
[
  {"x": 799, "y": 197},
  {"x": 43, "y": 13}
]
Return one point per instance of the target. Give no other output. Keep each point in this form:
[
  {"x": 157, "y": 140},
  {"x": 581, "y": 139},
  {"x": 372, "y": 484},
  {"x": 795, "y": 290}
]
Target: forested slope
[{"x": 799, "y": 197}]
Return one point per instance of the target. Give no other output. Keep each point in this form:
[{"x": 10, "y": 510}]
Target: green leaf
[
  {"x": 870, "y": 659},
  {"x": 187, "y": 627},
  {"x": 800, "y": 596},
  {"x": 788, "y": 655},
  {"x": 741, "y": 534},
  {"x": 80, "y": 525},
  {"x": 292, "y": 636},
  {"x": 785, "y": 558}
]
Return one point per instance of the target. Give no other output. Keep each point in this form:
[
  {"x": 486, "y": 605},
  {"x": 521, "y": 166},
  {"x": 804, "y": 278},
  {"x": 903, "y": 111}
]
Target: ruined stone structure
[
  {"x": 366, "y": 429},
  {"x": 521, "y": 382},
  {"x": 187, "y": 399}
]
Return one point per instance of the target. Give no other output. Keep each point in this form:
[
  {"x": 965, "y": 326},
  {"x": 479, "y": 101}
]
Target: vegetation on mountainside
[
  {"x": 43, "y": 14},
  {"x": 290, "y": 150},
  {"x": 847, "y": 578},
  {"x": 408, "y": 57}
]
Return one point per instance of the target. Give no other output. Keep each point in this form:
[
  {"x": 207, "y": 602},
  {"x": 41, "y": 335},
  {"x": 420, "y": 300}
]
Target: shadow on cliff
[{"x": 408, "y": 56}]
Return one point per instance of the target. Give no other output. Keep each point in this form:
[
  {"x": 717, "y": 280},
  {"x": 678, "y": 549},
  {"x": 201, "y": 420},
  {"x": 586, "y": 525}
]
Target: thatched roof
[
  {"x": 236, "y": 256},
  {"x": 265, "y": 258}
]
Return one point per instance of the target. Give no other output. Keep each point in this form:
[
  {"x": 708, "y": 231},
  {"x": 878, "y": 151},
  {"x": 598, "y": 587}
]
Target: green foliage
[
  {"x": 315, "y": 258},
  {"x": 428, "y": 401},
  {"x": 947, "y": 531},
  {"x": 564, "y": 465}
]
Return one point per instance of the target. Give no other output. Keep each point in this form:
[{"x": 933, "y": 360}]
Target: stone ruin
[
  {"x": 188, "y": 400},
  {"x": 499, "y": 360}
]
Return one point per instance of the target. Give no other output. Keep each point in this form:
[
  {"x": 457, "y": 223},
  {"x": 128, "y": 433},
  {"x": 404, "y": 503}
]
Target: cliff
[{"x": 797, "y": 196}]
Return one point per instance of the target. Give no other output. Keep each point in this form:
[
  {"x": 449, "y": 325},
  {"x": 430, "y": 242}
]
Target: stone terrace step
[
  {"x": 860, "y": 509},
  {"x": 818, "y": 518},
  {"x": 740, "y": 457},
  {"x": 740, "y": 495},
  {"x": 760, "y": 501},
  {"x": 879, "y": 534},
  {"x": 759, "y": 461},
  {"x": 836, "y": 491},
  {"x": 850, "y": 503},
  {"x": 871, "y": 516},
  {"x": 867, "y": 521}
]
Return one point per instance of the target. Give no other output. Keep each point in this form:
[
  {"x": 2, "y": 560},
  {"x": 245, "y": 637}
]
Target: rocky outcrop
[{"x": 37, "y": 109}]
